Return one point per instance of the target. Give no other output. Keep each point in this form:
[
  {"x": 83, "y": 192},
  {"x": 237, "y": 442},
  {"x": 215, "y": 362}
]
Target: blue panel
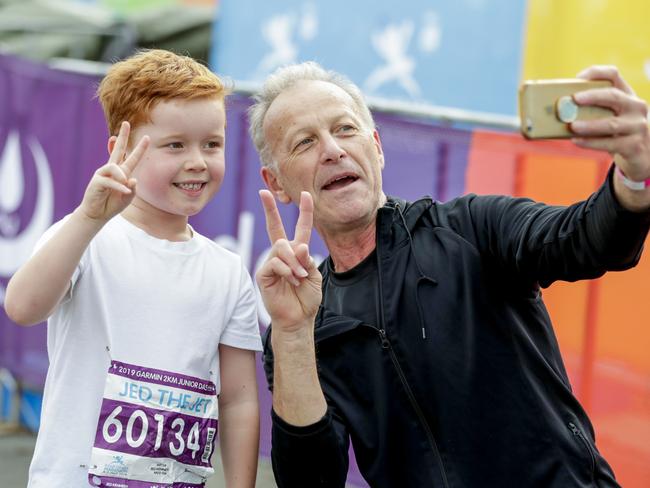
[
  {"x": 465, "y": 53},
  {"x": 31, "y": 404},
  {"x": 5, "y": 406}
]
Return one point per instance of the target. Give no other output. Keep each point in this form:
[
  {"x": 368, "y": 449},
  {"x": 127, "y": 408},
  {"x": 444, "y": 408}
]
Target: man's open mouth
[{"x": 340, "y": 182}]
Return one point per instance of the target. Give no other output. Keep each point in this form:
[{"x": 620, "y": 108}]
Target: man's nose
[{"x": 332, "y": 151}]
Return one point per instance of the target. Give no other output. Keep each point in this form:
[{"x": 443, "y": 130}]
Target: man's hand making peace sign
[
  {"x": 290, "y": 284},
  {"x": 289, "y": 280}
]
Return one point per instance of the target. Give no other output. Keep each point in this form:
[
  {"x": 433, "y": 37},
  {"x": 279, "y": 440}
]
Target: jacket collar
[
  {"x": 393, "y": 218},
  {"x": 398, "y": 217}
]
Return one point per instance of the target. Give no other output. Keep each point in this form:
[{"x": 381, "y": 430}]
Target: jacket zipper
[
  {"x": 385, "y": 344},
  {"x": 578, "y": 433}
]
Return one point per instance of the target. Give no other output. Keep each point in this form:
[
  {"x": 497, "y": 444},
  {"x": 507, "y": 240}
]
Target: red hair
[{"x": 133, "y": 86}]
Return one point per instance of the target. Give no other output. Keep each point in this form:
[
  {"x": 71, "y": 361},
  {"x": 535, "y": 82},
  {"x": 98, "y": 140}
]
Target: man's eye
[
  {"x": 306, "y": 141},
  {"x": 347, "y": 128}
]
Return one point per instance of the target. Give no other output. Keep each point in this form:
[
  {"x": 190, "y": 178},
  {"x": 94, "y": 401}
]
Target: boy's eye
[
  {"x": 213, "y": 144},
  {"x": 175, "y": 145}
]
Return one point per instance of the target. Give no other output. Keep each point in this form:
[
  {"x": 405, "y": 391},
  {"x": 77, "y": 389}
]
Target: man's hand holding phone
[{"x": 607, "y": 116}]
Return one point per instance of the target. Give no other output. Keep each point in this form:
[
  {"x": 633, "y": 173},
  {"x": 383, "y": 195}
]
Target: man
[{"x": 430, "y": 347}]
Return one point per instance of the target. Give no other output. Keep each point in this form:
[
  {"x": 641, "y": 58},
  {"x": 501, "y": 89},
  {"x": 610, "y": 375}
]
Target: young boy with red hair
[{"x": 152, "y": 327}]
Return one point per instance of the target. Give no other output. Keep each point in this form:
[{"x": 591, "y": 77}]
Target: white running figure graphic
[
  {"x": 278, "y": 32},
  {"x": 392, "y": 44}
]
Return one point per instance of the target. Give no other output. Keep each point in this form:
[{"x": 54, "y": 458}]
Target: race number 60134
[{"x": 138, "y": 430}]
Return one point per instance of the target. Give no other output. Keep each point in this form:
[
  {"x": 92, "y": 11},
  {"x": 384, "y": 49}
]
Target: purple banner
[{"x": 53, "y": 137}]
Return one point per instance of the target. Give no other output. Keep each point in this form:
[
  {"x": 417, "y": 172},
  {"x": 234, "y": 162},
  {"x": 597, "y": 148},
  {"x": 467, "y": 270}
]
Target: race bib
[{"x": 156, "y": 429}]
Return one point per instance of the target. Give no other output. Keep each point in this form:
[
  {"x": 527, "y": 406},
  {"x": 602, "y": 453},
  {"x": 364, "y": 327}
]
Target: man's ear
[
  {"x": 380, "y": 151},
  {"x": 272, "y": 183}
]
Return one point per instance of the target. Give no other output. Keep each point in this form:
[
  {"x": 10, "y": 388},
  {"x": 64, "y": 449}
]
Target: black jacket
[{"x": 462, "y": 383}]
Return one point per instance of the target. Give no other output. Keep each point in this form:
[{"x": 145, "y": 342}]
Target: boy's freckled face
[{"x": 184, "y": 164}]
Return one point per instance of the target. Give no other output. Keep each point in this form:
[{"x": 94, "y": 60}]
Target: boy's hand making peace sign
[
  {"x": 33, "y": 298},
  {"x": 112, "y": 188},
  {"x": 289, "y": 280}
]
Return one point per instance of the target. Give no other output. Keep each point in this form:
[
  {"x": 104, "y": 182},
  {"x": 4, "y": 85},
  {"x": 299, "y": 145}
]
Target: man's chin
[{"x": 349, "y": 212}]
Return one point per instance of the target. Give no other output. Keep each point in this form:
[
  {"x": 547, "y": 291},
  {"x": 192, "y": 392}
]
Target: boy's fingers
[
  {"x": 305, "y": 219},
  {"x": 131, "y": 184},
  {"x": 114, "y": 171},
  {"x": 274, "y": 226},
  {"x": 120, "y": 144},
  {"x": 110, "y": 184},
  {"x": 136, "y": 155}
]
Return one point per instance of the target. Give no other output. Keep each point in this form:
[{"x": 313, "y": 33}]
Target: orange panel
[
  {"x": 566, "y": 303},
  {"x": 558, "y": 180},
  {"x": 624, "y": 316}
]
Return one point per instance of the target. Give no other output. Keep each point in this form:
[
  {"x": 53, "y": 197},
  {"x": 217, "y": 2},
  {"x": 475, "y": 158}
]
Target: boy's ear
[
  {"x": 272, "y": 183},
  {"x": 111, "y": 144}
]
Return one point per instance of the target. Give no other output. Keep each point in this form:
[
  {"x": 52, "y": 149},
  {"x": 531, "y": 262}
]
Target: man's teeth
[
  {"x": 190, "y": 186},
  {"x": 337, "y": 179},
  {"x": 340, "y": 179}
]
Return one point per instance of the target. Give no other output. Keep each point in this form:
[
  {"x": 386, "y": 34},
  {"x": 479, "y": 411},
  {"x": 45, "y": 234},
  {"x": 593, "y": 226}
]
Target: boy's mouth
[{"x": 190, "y": 186}]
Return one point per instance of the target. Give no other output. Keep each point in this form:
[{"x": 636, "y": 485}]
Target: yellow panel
[{"x": 563, "y": 37}]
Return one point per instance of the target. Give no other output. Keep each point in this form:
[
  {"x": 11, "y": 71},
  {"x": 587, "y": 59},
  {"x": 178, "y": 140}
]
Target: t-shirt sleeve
[
  {"x": 242, "y": 330},
  {"x": 47, "y": 235}
]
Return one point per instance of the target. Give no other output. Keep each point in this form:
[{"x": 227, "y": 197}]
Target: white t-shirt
[{"x": 139, "y": 300}]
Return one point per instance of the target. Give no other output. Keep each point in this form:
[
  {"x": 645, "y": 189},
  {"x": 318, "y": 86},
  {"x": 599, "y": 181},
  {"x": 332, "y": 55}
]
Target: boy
[{"x": 152, "y": 327}]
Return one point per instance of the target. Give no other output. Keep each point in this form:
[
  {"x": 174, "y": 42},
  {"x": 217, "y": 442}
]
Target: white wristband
[{"x": 631, "y": 184}]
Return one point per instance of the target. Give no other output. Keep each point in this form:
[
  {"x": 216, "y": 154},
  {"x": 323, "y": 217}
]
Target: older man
[{"x": 423, "y": 338}]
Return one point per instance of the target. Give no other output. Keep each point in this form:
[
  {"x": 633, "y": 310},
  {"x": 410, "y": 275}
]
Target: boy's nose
[{"x": 195, "y": 163}]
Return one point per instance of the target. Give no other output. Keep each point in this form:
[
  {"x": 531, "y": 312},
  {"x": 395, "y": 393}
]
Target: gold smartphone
[{"x": 546, "y": 107}]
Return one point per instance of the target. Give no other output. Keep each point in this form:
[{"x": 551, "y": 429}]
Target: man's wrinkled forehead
[{"x": 305, "y": 100}]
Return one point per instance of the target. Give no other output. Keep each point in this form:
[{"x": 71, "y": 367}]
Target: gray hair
[{"x": 285, "y": 77}]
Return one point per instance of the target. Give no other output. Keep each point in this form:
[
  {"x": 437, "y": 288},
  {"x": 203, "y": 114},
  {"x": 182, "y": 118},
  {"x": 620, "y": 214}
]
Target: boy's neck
[{"x": 160, "y": 225}]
